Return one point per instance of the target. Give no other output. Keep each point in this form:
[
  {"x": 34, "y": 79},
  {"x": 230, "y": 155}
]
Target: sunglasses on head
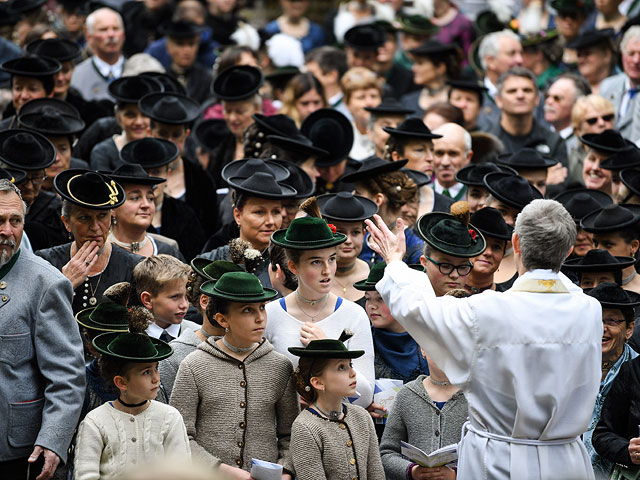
[{"x": 607, "y": 118}]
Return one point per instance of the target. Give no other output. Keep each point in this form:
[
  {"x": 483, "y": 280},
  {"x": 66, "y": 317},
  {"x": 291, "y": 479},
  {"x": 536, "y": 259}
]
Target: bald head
[{"x": 451, "y": 152}]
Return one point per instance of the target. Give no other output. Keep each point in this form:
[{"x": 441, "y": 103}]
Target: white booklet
[
  {"x": 261, "y": 470},
  {"x": 440, "y": 457},
  {"x": 384, "y": 394}
]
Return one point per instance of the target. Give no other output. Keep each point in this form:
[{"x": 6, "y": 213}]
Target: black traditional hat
[
  {"x": 213, "y": 269},
  {"x": 490, "y": 223},
  {"x": 7, "y": 16},
  {"x": 581, "y": 201},
  {"x": 365, "y": 37},
  {"x": 487, "y": 22},
  {"x": 571, "y": 6},
  {"x": 280, "y": 76},
  {"x": 14, "y": 175},
  {"x": 452, "y": 234},
  {"x": 412, "y": 128},
  {"x": 32, "y": 66},
  {"x": 469, "y": 81},
  {"x": 627, "y": 158},
  {"x": 327, "y": 348},
  {"x": 278, "y": 124},
  {"x": 169, "y": 84},
  {"x": 417, "y": 25},
  {"x": 298, "y": 179},
  {"x": 512, "y": 190},
  {"x": 389, "y": 106},
  {"x": 372, "y": 167},
  {"x": 431, "y": 47},
  {"x": 26, "y": 149},
  {"x": 59, "y": 49},
  {"x": 170, "y": 108},
  {"x": 375, "y": 275},
  {"x": 329, "y": 130},
  {"x": 526, "y": 158},
  {"x": 209, "y": 133},
  {"x": 89, "y": 189},
  {"x": 241, "y": 287},
  {"x": 149, "y": 152},
  {"x": 610, "y": 219},
  {"x": 598, "y": 260},
  {"x": 237, "y": 83},
  {"x": 609, "y": 141},
  {"x": 592, "y": 37},
  {"x": 133, "y": 347},
  {"x": 262, "y": 185},
  {"x": 297, "y": 143},
  {"x": 105, "y": 317},
  {"x": 630, "y": 177},
  {"x": 132, "y": 89},
  {"x": 133, "y": 174},
  {"x": 346, "y": 207},
  {"x": 248, "y": 166},
  {"x": 307, "y": 233},
  {"x": 51, "y": 122},
  {"x": 25, "y": 6},
  {"x": 182, "y": 29},
  {"x": 38, "y": 104},
  {"x": 281, "y": 130},
  {"x": 418, "y": 177},
  {"x": 474, "y": 173},
  {"x": 612, "y": 295}
]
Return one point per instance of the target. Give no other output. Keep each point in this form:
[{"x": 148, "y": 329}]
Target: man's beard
[{"x": 6, "y": 256}]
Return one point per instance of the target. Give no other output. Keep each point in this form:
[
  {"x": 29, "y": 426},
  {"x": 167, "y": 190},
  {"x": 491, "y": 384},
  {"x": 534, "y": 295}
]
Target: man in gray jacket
[{"x": 42, "y": 374}]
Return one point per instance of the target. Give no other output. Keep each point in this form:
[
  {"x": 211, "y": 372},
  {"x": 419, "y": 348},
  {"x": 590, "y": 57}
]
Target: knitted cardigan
[
  {"x": 235, "y": 411},
  {"x": 322, "y": 449}
]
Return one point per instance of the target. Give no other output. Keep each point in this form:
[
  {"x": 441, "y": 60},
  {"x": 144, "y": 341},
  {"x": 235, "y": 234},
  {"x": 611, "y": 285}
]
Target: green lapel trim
[{"x": 5, "y": 269}]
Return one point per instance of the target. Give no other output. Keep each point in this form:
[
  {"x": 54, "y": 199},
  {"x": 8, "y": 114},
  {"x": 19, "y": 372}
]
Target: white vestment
[{"x": 529, "y": 364}]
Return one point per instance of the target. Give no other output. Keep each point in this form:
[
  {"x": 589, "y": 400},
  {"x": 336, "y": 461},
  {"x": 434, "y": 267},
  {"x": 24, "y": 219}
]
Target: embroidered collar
[{"x": 8, "y": 266}]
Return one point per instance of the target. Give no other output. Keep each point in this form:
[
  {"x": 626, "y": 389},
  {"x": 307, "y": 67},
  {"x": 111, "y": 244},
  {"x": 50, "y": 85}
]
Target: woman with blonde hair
[{"x": 303, "y": 95}]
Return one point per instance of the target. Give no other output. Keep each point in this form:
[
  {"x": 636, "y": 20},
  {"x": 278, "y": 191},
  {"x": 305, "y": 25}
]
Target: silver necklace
[
  {"x": 133, "y": 247},
  {"x": 436, "y": 382},
  {"x": 332, "y": 415},
  {"x": 629, "y": 278},
  {"x": 311, "y": 302},
  {"x": 235, "y": 349}
]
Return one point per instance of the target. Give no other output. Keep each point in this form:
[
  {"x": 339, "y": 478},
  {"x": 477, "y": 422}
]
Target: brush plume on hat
[
  {"x": 242, "y": 252},
  {"x": 119, "y": 293},
  {"x": 345, "y": 335},
  {"x": 139, "y": 320},
  {"x": 311, "y": 208},
  {"x": 460, "y": 210}
]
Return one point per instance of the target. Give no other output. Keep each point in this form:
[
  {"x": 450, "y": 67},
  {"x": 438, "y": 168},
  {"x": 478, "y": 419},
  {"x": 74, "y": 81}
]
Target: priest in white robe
[{"x": 528, "y": 360}]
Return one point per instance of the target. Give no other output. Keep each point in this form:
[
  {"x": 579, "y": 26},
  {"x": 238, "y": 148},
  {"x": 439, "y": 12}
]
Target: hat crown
[
  {"x": 414, "y": 125},
  {"x": 490, "y": 222},
  {"x": 277, "y": 124},
  {"x": 326, "y": 344},
  {"x": 25, "y": 147},
  {"x": 169, "y": 107},
  {"x": 452, "y": 232},
  {"x": 307, "y": 229},
  {"x": 219, "y": 267},
  {"x": 598, "y": 256},
  {"x": 524, "y": 156},
  {"x": 237, "y": 82},
  {"x": 343, "y": 205},
  {"x": 262, "y": 181},
  {"x": 376, "y": 273},
  {"x": 253, "y": 166},
  {"x": 612, "y": 215},
  {"x": 368, "y": 36},
  {"x": 110, "y": 315},
  {"x": 609, "y": 140},
  {"x": 132, "y": 89},
  {"x": 129, "y": 344},
  {"x": 609, "y": 292},
  {"x": 478, "y": 171},
  {"x": 131, "y": 170},
  {"x": 581, "y": 204},
  {"x": 239, "y": 284}
]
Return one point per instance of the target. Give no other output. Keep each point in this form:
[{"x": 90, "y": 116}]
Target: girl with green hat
[
  {"x": 332, "y": 439},
  {"x": 312, "y": 311},
  {"x": 236, "y": 393},
  {"x": 134, "y": 428}
]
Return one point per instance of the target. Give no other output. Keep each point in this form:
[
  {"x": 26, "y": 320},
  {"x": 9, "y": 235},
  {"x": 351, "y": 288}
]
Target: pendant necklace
[
  {"x": 133, "y": 247},
  {"x": 312, "y": 317},
  {"x": 93, "y": 301},
  {"x": 333, "y": 415},
  {"x": 348, "y": 269},
  {"x": 235, "y": 349},
  {"x": 436, "y": 382}
]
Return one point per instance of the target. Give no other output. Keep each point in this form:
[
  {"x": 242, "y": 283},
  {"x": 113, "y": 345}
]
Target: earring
[
  {"x": 307, "y": 388},
  {"x": 114, "y": 221},
  {"x": 226, "y": 329},
  {"x": 70, "y": 235}
]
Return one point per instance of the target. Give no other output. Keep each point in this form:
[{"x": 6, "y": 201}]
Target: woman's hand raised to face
[
  {"x": 80, "y": 264},
  {"x": 634, "y": 450},
  {"x": 389, "y": 245}
]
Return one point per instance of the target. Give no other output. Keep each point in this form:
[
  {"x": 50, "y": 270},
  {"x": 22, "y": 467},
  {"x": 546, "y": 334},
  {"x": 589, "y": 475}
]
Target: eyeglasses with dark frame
[
  {"x": 612, "y": 322},
  {"x": 35, "y": 181},
  {"x": 607, "y": 118},
  {"x": 447, "y": 268}
]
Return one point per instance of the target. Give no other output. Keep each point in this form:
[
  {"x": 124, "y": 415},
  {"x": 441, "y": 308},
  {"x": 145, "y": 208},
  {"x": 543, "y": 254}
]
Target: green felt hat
[
  {"x": 417, "y": 25},
  {"x": 134, "y": 347},
  {"x": 308, "y": 233},
  {"x": 327, "y": 348},
  {"x": 106, "y": 317},
  {"x": 213, "y": 269},
  {"x": 450, "y": 235},
  {"x": 241, "y": 287},
  {"x": 375, "y": 275}
]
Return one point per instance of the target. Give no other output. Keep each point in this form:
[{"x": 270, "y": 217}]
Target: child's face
[
  {"x": 378, "y": 312},
  {"x": 171, "y": 304},
  {"x": 316, "y": 270},
  {"x": 142, "y": 382},
  {"x": 339, "y": 378},
  {"x": 246, "y": 323}
]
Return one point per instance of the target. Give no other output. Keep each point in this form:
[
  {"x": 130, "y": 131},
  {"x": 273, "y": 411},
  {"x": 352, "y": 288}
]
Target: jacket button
[
  {"x": 240, "y": 444},
  {"x": 352, "y": 461},
  {"x": 238, "y": 461},
  {"x": 3, "y": 285},
  {"x": 4, "y": 298},
  {"x": 243, "y": 384},
  {"x": 133, "y": 439},
  {"x": 240, "y": 366},
  {"x": 349, "y": 443},
  {"x": 342, "y": 427},
  {"x": 243, "y": 404},
  {"x": 132, "y": 419},
  {"x": 437, "y": 433},
  {"x": 437, "y": 412},
  {"x": 241, "y": 425}
]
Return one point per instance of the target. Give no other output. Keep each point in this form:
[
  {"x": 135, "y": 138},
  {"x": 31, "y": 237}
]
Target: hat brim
[
  {"x": 171, "y": 153},
  {"x": 366, "y": 286},
  {"x": 487, "y": 183},
  {"x": 587, "y": 223},
  {"x": 61, "y": 181},
  {"x": 462, "y": 175},
  {"x": 48, "y": 159},
  {"x": 231, "y": 170},
  {"x": 365, "y": 172},
  {"x": 191, "y": 107},
  {"x": 369, "y": 206},
  {"x": 428, "y": 220},
  {"x": 471, "y": 86},
  {"x": 278, "y": 238},
  {"x": 72, "y": 125},
  {"x": 546, "y": 162},
  {"x": 18, "y": 176},
  {"x": 382, "y": 110},
  {"x": 128, "y": 180},
  {"x": 418, "y": 177},
  {"x": 587, "y": 140},
  {"x": 82, "y": 317},
  {"x": 286, "y": 190},
  {"x": 625, "y": 159},
  {"x": 198, "y": 264},
  {"x": 500, "y": 236},
  {"x": 305, "y": 353},
  {"x": 297, "y": 146},
  {"x": 209, "y": 288},
  {"x": 633, "y": 296},
  {"x": 395, "y": 132},
  {"x": 627, "y": 176},
  {"x": 101, "y": 344},
  {"x": 623, "y": 262}
]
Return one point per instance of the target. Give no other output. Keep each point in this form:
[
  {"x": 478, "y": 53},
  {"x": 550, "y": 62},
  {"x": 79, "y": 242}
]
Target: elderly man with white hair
[
  {"x": 450, "y": 154},
  {"x": 528, "y": 360},
  {"x": 622, "y": 89},
  {"x": 104, "y": 31}
]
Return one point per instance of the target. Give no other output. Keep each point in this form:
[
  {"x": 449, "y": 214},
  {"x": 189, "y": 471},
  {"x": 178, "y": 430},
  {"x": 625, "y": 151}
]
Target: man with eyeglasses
[{"x": 572, "y": 17}]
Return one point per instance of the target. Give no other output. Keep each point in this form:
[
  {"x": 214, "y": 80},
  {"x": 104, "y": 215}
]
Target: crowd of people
[{"x": 222, "y": 236}]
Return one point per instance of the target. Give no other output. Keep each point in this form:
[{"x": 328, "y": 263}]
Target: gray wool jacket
[
  {"x": 42, "y": 371},
  {"x": 182, "y": 346},
  {"x": 430, "y": 430}
]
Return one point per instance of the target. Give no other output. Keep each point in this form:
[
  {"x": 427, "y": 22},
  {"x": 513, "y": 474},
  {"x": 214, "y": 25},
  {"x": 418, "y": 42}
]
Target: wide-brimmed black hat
[
  {"x": 169, "y": 84},
  {"x": 389, "y": 106},
  {"x": 609, "y": 141},
  {"x": 24, "y": 6},
  {"x": 579, "y": 202},
  {"x": 298, "y": 143},
  {"x": 133, "y": 347},
  {"x": 213, "y": 269},
  {"x": 278, "y": 124},
  {"x": 630, "y": 177},
  {"x": 365, "y": 37},
  {"x": 375, "y": 275},
  {"x": 329, "y": 130},
  {"x": 448, "y": 234},
  {"x": 468, "y": 81},
  {"x": 281, "y": 130},
  {"x": 474, "y": 173},
  {"x": 626, "y": 158},
  {"x": 307, "y": 233},
  {"x": 280, "y": 76},
  {"x": 431, "y": 47},
  {"x": 571, "y": 6},
  {"x": 51, "y": 122},
  {"x": 149, "y": 152},
  {"x": 589, "y": 38},
  {"x": 491, "y": 223},
  {"x": 526, "y": 158},
  {"x": 105, "y": 317},
  {"x": 248, "y": 166},
  {"x": 487, "y": 21},
  {"x": 372, "y": 167},
  {"x": 598, "y": 260},
  {"x": 610, "y": 219},
  {"x": 170, "y": 108},
  {"x": 512, "y": 190},
  {"x": 237, "y": 83},
  {"x": 14, "y": 175},
  {"x": 133, "y": 174},
  {"x": 26, "y": 150},
  {"x": 262, "y": 185},
  {"x": 327, "y": 348},
  {"x": 132, "y": 89},
  {"x": 412, "y": 128},
  {"x": 209, "y": 133},
  {"x": 612, "y": 295},
  {"x": 182, "y": 29},
  {"x": 241, "y": 287},
  {"x": 417, "y": 25},
  {"x": 418, "y": 177},
  {"x": 89, "y": 189},
  {"x": 32, "y": 66},
  {"x": 37, "y": 104},
  {"x": 346, "y": 207},
  {"x": 298, "y": 179},
  {"x": 59, "y": 49}
]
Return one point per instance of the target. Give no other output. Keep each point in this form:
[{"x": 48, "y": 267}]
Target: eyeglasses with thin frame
[
  {"x": 35, "y": 181},
  {"x": 612, "y": 322},
  {"x": 607, "y": 118},
  {"x": 447, "y": 268}
]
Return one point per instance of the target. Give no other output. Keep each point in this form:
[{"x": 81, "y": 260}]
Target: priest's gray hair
[
  {"x": 546, "y": 232},
  {"x": 7, "y": 186}
]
